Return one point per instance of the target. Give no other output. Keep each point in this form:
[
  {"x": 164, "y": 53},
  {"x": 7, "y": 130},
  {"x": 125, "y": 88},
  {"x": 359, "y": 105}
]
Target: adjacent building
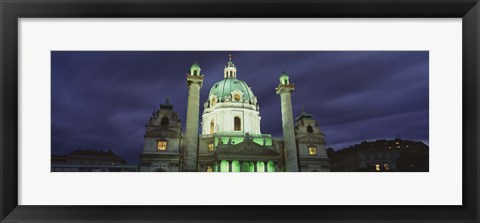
[
  {"x": 89, "y": 160},
  {"x": 381, "y": 155}
]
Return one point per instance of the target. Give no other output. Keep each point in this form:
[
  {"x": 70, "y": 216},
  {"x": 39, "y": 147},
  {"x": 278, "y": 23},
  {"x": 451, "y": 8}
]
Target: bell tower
[
  {"x": 284, "y": 89},
  {"x": 194, "y": 83}
]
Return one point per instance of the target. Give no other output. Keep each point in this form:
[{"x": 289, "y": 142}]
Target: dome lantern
[
  {"x": 230, "y": 70},
  {"x": 195, "y": 69},
  {"x": 284, "y": 79}
]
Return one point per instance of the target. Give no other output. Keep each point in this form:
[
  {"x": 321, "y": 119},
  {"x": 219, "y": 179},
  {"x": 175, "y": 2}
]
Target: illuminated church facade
[{"x": 230, "y": 137}]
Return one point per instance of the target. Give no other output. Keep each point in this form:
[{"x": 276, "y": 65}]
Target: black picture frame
[{"x": 12, "y": 10}]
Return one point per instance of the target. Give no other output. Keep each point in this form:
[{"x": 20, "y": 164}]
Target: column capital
[
  {"x": 285, "y": 88},
  {"x": 194, "y": 80}
]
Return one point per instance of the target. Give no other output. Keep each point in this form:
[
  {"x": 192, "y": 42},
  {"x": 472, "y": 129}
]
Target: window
[
  {"x": 312, "y": 150},
  {"x": 237, "y": 124},
  {"x": 209, "y": 169},
  {"x": 210, "y": 147},
  {"x": 212, "y": 127},
  {"x": 309, "y": 129},
  {"x": 285, "y": 81},
  {"x": 377, "y": 167},
  {"x": 236, "y": 97},
  {"x": 195, "y": 73},
  {"x": 385, "y": 166},
  {"x": 164, "y": 121},
  {"x": 162, "y": 145}
]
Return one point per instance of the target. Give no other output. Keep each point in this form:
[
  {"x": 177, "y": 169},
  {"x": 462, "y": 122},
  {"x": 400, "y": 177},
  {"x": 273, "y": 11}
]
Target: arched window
[
  {"x": 164, "y": 121},
  {"x": 285, "y": 81},
  {"x": 195, "y": 73},
  {"x": 213, "y": 102},
  {"x": 309, "y": 129},
  {"x": 237, "y": 124},
  {"x": 212, "y": 127}
]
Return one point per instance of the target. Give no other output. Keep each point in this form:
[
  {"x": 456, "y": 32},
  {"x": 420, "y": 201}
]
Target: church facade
[{"x": 230, "y": 137}]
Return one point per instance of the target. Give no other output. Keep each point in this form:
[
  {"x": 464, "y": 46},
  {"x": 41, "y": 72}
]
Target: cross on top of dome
[{"x": 230, "y": 63}]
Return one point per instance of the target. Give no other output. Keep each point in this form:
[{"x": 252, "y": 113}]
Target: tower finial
[
  {"x": 230, "y": 57},
  {"x": 303, "y": 109},
  {"x": 166, "y": 100}
]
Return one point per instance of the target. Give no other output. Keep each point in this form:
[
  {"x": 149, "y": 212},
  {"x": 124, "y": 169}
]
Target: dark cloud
[{"x": 102, "y": 100}]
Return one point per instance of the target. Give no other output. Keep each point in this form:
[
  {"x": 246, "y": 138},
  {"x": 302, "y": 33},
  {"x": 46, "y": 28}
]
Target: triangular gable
[{"x": 246, "y": 147}]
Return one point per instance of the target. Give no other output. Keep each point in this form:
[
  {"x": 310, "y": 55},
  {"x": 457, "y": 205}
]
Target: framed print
[{"x": 290, "y": 111}]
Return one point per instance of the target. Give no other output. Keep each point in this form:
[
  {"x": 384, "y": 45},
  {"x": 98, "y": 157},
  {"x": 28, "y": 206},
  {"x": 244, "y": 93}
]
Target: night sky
[{"x": 102, "y": 100}]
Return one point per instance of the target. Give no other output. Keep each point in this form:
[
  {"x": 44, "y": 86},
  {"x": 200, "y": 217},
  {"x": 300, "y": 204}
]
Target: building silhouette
[
  {"x": 381, "y": 155},
  {"x": 89, "y": 160}
]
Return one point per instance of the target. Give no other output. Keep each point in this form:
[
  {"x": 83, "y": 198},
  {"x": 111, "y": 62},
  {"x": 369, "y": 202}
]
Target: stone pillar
[
  {"x": 284, "y": 89},
  {"x": 194, "y": 83}
]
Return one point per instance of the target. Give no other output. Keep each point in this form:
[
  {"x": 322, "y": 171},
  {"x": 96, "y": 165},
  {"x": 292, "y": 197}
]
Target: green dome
[
  {"x": 225, "y": 86},
  {"x": 194, "y": 65}
]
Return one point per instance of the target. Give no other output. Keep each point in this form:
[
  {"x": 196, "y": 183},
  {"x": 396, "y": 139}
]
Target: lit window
[
  {"x": 212, "y": 127},
  {"x": 210, "y": 147},
  {"x": 213, "y": 102},
  {"x": 209, "y": 169},
  {"x": 377, "y": 167},
  {"x": 385, "y": 166},
  {"x": 236, "y": 97},
  {"x": 398, "y": 143},
  {"x": 161, "y": 145},
  {"x": 312, "y": 151}
]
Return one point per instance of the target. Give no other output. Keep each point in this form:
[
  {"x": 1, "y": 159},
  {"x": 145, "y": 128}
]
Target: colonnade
[{"x": 244, "y": 166}]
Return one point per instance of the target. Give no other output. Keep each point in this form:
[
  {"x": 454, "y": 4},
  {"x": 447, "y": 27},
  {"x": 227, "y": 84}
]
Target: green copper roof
[
  {"x": 225, "y": 86},
  {"x": 230, "y": 64},
  {"x": 284, "y": 74},
  {"x": 304, "y": 115},
  {"x": 195, "y": 65}
]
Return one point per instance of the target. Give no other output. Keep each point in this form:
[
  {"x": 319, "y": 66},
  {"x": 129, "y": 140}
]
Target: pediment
[{"x": 246, "y": 147}]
